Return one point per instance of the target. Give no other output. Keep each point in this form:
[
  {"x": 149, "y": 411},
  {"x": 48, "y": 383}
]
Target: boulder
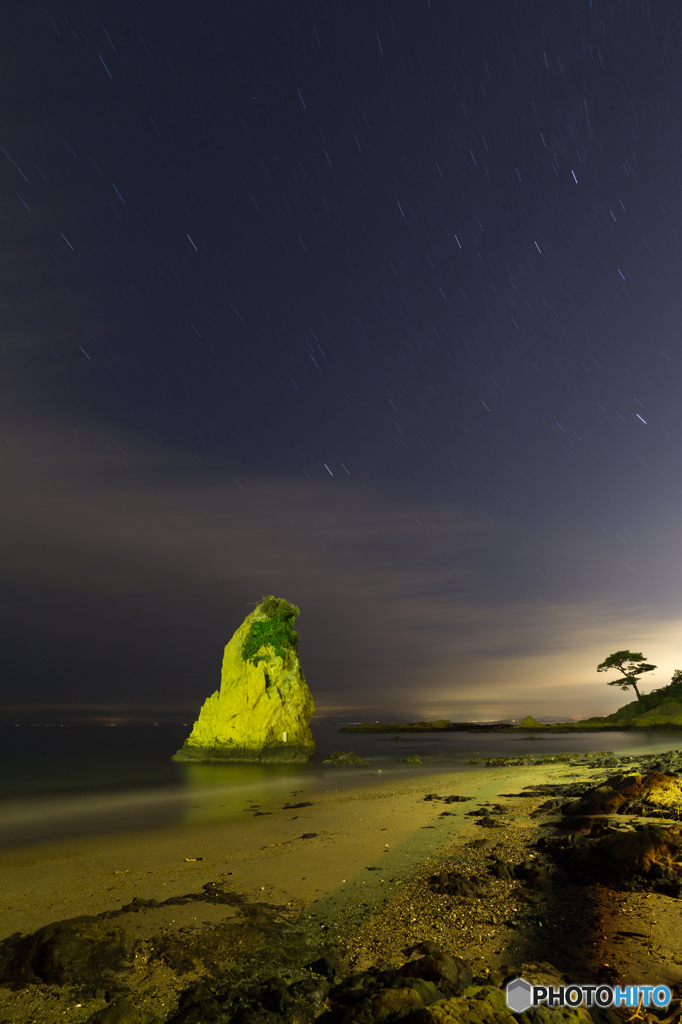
[
  {"x": 654, "y": 795},
  {"x": 386, "y": 1002},
  {"x": 669, "y": 762},
  {"x": 79, "y": 951},
  {"x": 486, "y": 1006},
  {"x": 648, "y": 857},
  {"x": 262, "y": 710},
  {"x": 648, "y": 851},
  {"x": 123, "y": 1011},
  {"x": 453, "y": 883},
  {"x": 441, "y": 969}
]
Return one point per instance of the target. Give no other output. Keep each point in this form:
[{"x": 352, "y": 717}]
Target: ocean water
[{"x": 64, "y": 782}]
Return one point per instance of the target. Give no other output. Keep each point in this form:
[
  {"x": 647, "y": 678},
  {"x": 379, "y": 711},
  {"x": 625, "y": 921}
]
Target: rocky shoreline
[
  {"x": 575, "y": 879},
  {"x": 660, "y": 709}
]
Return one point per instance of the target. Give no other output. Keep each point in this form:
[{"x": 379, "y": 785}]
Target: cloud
[{"x": 135, "y": 578}]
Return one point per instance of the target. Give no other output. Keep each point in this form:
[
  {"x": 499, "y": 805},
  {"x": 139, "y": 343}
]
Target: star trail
[{"x": 375, "y": 306}]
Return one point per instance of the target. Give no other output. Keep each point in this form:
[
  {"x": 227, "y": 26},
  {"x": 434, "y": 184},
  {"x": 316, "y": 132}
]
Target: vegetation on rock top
[{"x": 277, "y": 631}]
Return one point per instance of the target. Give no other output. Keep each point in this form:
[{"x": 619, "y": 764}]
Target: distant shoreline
[{"x": 474, "y": 727}]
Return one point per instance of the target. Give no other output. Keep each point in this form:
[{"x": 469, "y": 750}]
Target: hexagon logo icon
[{"x": 519, "y": 995}]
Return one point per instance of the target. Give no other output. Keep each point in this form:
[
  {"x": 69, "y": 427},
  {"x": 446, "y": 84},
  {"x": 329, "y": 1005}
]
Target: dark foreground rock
[
  {"x": 647, "y": 857},
  {"x": 432, "y": 989},
  {"x": 533, "y": 875},
  {"x": 83, "y": 950},
  {"x": 269, "y": 1002},
  {"x": 453, "y": 799},
  {"x": 365, "y": 997},
  {"x": 123, "y": 1011}
]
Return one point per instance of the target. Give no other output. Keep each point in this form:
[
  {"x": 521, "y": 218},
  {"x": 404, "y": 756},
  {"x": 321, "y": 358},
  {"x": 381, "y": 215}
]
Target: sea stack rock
[{"x": 262, "y": 710}]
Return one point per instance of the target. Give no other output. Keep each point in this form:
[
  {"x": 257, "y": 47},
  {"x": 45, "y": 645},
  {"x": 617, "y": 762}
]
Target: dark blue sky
[{"x": 374, "y": 306}]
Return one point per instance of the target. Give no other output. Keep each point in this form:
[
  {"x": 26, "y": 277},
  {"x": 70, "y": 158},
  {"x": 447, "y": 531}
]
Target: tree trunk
[{"x": 634, "y": 686}]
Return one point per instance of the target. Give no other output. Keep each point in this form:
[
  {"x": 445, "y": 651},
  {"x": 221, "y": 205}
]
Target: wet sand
[{"x": 263, "y": 856}]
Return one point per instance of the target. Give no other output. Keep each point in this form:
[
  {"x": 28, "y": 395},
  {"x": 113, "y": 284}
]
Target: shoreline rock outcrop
[{"x": 262, "y": 709}]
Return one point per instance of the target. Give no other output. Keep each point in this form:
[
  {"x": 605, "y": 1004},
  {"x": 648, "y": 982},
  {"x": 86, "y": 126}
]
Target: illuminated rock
[
  {"x": 262, "y": 710},
  {"x": 648, "y": 855},
  {"x": 653, "y": 795}
]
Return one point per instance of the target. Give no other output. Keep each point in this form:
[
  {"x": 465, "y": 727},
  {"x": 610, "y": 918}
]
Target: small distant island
[{"x": 660, "y": 709}]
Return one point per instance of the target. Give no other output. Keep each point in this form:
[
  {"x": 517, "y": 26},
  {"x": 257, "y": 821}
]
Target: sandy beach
[
  {"x": 351, "y": 870},
  {"x": 261, "y": 852}
]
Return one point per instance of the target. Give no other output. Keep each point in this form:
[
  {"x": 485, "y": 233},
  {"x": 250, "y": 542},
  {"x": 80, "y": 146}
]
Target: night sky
[{"x": 372, "y": 306}]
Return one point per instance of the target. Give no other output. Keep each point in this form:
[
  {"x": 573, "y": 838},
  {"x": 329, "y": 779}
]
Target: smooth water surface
[{"x": 64, "y": 782}]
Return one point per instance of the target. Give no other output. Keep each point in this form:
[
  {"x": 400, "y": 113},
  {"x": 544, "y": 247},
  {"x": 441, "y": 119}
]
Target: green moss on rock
[{"x": 276, "y": 631}]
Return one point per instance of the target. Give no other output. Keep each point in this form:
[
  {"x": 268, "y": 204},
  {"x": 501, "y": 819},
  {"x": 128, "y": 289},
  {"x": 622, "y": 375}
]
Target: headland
[{"x": 660, "y": 709}]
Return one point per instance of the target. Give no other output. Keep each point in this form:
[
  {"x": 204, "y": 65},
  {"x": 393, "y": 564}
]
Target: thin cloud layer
[{"x": 402, "y": 606}]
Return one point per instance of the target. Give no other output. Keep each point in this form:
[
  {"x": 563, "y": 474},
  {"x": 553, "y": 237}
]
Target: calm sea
[{"x": 63, "y": 782}]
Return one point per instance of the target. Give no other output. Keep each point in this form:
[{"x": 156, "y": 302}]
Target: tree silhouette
[{"x": 630, "y": 664}]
